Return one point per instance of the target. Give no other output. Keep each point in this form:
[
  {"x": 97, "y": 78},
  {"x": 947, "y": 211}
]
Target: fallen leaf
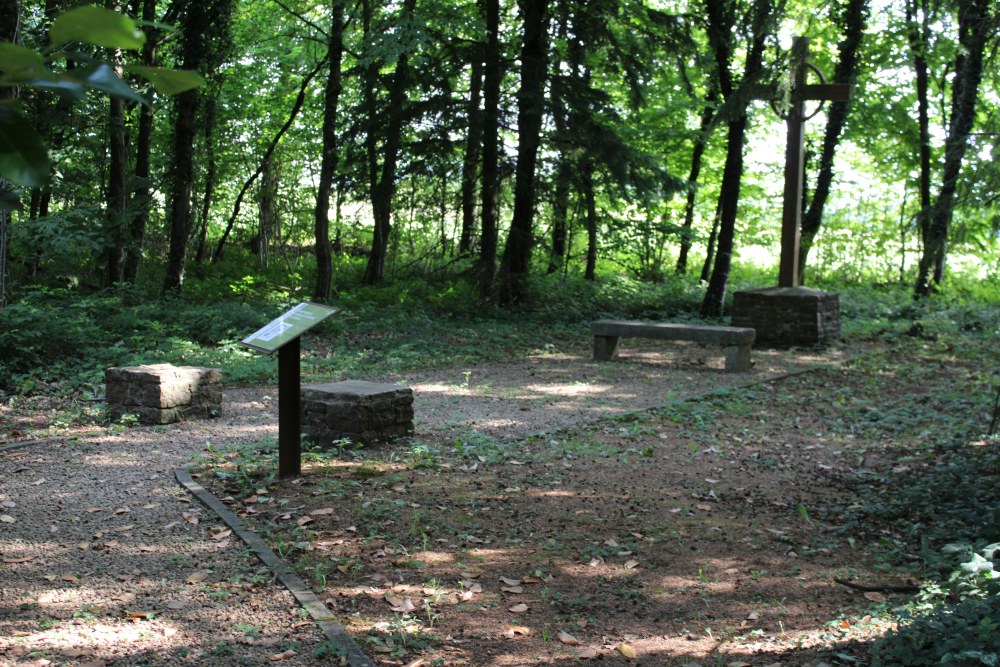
[
  {"x": 631, "y": 564},
  {"x": 284, "y": 655},
  {"x": 15, "y": 561},
  {"x": 419, "y": 662},
  {"x": 121, "y": 510},
  {"x": 588, "y": 653},
  {"x": 6, "y": 518},
  {"x": 472, "y": 539},
  {"x": 93, "y": 510},
  {"x": 69, "y": 578},
  {"x": 326, "y": 511},
  {"x": 704, "y": 507},
  {"x": 190, "y": 517},
  {"x": 874, "y": 596},
  {"x": 222, "y": 534},
  {"x": 400, "y": 605},
  {"x": 568, "y": 639},
  {"x": 753, "y": 616},
  {"x": 627, "y": 650},
  {"x": 517, "y": 630},
  {"x": 611, "y": 543},
  {"x": 40, "y": 480},
  {"x": 512, "y": 589},
  {"x": 8, "y": 504},
  {"x": 510, "y": 582},
  {"x": 738, "y": 663},
  {"x": 198, "y": 576},
  {"x": 176, "y": 605},
  {"x": 304, "y": 520},
  {"x": 124, "y": 597},
  {"x": 518, "y": 608},
  {"x": 141, "y": 615},
  {"x": 151, "y": 506}
]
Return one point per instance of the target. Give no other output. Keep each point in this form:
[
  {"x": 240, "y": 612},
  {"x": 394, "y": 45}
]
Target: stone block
[
  {"x": 163, "y": 393},
  {"x": 363, "y": 412},
  {"x": 789, "y": 316}
]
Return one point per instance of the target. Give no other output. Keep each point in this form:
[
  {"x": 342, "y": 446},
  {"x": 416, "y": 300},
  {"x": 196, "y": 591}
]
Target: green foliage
[
  {"x": 23, "y": 156},
  {"x": 962, "y": 634}
]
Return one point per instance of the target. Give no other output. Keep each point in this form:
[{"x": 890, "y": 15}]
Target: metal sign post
[{"x": 282, "y": 335}]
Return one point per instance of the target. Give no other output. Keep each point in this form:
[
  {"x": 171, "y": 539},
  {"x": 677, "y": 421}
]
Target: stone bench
[
  {"x": 363, "y": 412},
  {"x": 736, "y": 341},
  {"x": 163, "y": 393}
]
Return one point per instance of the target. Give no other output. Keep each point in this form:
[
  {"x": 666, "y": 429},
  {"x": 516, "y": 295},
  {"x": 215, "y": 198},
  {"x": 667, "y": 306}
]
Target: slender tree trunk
[
  {"x": 587, "y": 181},
  {"x": 978, "y": 21},
  {"x": 854, "y": 22},
  {"x": 729, "y": 197},
  {"x": 492, "y": 76},
  {"x": 210, "y": 171},
  {"x": 729, "y": 192},
  {"x": 704, "y": 128},
  {"x": 706, "y": 267},
  {"x": 919, "y": 40},
  {"x": 531, "y": 105},
  {"x": 385, "y": 190},
  {"x": 205, "y": 27},
  {"x": 331, "y": 155},
  {"x": 296, "y": 108},
  {"x": 182, "y": 184},
  {"x": 10, "y": 19},
  {"x": 141, "y": 198},
  {"x": 470, "y": 162},
  {"x": 117, "y": 203}
]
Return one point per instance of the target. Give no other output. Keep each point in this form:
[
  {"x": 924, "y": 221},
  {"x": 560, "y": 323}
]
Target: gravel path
[{"x": 106, "y": 560}]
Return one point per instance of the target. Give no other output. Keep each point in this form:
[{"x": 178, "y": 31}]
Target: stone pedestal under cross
[{"x": 791, "y": 314}]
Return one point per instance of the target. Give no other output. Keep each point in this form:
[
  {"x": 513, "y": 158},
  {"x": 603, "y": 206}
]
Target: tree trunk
[
  {"x": 141, "y": 198},
  {"x": 296, "y": 108},
  {"x": 117, "y": 203},
  {"x": 587, "y": 181},
  {"x": 205, "y": 27},
  {"x": 331, "y": 156},
  {"x": 10, "y": 19},
  {"x": 729, "y": 191},
  {"x": 704, "y": 127},
  {"x": 854, "y": 21},
  {"x": 182, "y": 184},
  {"x": 210, "y": 171},
  {"x": 492, "y": 76},
  {"x": 470, "y": 162},
  {"x": 729, "y": 197},
  {"x": 978, "y": 21},
  {"x": 919, "y": 40},
  {"x": 385, "y": 189},
  {"x": 706, "y": 267},
  {"x": 531, "y": 105}
]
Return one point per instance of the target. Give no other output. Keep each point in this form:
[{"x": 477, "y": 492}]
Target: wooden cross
[{"x": 796, "y": 94}]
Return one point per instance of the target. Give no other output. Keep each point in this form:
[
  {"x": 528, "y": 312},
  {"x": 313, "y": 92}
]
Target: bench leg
[
  {"x": 737, "y": 358},
  {"x": 605, "y": 348}
]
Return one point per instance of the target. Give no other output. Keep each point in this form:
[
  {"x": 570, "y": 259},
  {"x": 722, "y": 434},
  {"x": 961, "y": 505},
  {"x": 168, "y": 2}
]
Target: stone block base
[
  {"x": 163, "y": 393},
  {"x": 789, "y": 316},
  {"x": 364, "y": 412}
]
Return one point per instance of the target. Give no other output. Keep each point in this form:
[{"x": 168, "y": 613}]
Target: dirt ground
[{"x": 534, "y": 518}]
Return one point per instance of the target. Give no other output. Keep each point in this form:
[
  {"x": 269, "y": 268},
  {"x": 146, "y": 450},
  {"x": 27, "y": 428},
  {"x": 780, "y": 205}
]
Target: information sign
[{"x": 287, "y": 327}]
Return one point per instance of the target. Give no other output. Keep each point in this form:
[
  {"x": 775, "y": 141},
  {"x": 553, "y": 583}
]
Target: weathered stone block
[
  {"x": 364, "y": 412},
  {"x": 163, "y": 393},
  {"x": 789, "y": 316}
]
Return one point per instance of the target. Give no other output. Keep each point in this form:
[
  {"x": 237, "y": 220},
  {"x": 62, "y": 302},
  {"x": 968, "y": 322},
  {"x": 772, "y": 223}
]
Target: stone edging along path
[{"x": 309, "y": 601}]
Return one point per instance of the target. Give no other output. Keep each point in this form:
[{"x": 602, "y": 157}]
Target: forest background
[{"x": 484, "y": 155}]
